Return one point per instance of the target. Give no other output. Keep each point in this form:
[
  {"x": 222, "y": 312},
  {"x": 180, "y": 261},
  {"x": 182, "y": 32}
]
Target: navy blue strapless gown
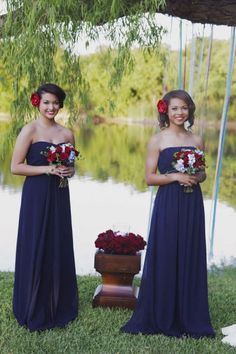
[
  {"x": 45, "y": 288},
  {"x": 173, "y": 297}
]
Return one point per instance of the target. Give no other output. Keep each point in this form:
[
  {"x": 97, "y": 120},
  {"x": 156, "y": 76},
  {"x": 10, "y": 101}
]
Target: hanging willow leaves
[{"x": 34, "y": 32}]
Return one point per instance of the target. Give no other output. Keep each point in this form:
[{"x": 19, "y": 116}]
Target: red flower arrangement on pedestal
[{"x": 113, "y": 242}]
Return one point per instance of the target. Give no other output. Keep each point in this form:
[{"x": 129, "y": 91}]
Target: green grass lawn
[{"x": 96, "y": 330}]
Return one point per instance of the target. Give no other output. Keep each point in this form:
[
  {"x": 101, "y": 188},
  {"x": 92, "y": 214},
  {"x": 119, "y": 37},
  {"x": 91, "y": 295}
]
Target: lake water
[{"x": 109, "y": 191}]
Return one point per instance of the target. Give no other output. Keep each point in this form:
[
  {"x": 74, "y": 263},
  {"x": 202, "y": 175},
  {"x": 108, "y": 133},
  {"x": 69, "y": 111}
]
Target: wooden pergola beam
[{"x": 218, "y": 12}]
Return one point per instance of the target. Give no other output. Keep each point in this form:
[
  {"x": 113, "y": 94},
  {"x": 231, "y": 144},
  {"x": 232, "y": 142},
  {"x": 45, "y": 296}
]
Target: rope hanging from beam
[
  {"x": 185, "y": 61},
  {"x": 192, "y": 63},
  {"x": 167, "y": 65},
  {"x": 198, "y": 83},
  {"x": 200, "y": 57},
  {"x": 208, "y": 69},
  {"x": 180, "y": 85}
]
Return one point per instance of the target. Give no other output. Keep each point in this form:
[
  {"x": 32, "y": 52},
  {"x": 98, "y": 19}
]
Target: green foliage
[
  {"x": 87, "y": 81},
  {"x": 156, "y": 72},
  {"x": 211, "y": 101},
  {"x": 33, "y": 32},
  {"x": 104, "y": 83},
  {"x": 138, "y": 91},
  {"x": 5, "y": 89},
  {"x": 97, "y": 330}
]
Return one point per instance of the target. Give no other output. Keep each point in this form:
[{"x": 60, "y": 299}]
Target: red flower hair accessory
[
  {"x": 35, "y": 99},
  {"x": 162, "y": 106}
]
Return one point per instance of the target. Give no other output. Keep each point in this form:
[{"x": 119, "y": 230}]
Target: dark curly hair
[
  {"x": 55, "y": 90},
  {"x": 182, "y": 95}
]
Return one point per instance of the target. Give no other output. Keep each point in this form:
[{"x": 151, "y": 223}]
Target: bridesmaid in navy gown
[
  {"x": 45, "y": 288},
  {"x": 173, "y": 297}
]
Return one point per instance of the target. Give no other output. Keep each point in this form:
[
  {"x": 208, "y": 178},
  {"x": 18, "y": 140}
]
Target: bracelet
[{"x": 48, "y": 173}]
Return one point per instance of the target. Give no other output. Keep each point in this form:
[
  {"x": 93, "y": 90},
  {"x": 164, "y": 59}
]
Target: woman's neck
[
  {"x": 46, "y": 123},
  {"x": 178, "y": 130}
]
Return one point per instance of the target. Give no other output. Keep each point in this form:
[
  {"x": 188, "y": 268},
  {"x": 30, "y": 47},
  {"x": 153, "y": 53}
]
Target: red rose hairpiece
[
  {"x": 35, "y": 99},
  {"x": 162, "y": 106}
]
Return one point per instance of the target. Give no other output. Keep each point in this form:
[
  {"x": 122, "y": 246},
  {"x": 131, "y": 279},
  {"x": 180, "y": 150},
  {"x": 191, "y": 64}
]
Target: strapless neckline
[
  {"x": 178, "y": 147},
  {"x": 47, "y": 142}
]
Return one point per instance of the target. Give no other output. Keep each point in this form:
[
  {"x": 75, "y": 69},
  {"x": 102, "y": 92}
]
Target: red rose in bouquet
[
  {"x": 189, "y": 161},
  {"x": 62, "y": 154}
]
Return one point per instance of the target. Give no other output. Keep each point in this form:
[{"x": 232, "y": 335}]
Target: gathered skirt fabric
[
  {"x": 45, "y": 287},
  {"x": 173, "y": 296}
]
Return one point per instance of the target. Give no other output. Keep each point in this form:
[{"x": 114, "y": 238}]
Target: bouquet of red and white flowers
[
  {"x": 114, "y": 242},
  {"x": 189, "y": 161},
  {"x": 61, "y": 154}
]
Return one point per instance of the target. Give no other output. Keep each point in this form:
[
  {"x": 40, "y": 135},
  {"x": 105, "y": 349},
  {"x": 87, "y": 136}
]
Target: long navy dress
[
  {"x": 173, "y": 297},
  {"x": 45, "y": 288}
]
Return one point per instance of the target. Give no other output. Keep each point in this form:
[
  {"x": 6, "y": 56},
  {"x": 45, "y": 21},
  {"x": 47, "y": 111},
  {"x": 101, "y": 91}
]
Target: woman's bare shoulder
[
  {"x": 29, "y": 129},
  {"x": 67, "y": 133},
  {"x": 198, "y": 142},
  {"x": 26, "y": 134},
  {"x": 155, "y": 141}
]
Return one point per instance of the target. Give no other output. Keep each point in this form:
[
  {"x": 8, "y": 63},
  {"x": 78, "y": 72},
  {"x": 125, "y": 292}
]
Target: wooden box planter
[{"x": 117, "y": 289}]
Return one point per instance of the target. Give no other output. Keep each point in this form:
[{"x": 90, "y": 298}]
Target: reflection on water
[
  {"x": 110, "y": 192},
  {"x": 99, "y": 206},
  {"x": 119, "y": 152}
]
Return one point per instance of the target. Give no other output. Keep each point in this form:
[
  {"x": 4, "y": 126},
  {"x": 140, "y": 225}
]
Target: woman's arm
[
  {"x": 201, "y": 176},
  {"x": 68, "y": 171},
  {"x": 18, "y": 165},
  {"x": 71, "y": 138}
]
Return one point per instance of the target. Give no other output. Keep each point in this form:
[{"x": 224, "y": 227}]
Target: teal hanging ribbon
[
  {"x": 200, "y": 58},
  {"x": 192, "y": 64},
  {"x": 221, "y": 141},
  {"x": 208, "y": 69},
  {"x": 168, "y": 55}
]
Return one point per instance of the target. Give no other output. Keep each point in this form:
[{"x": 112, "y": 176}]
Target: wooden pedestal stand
[{"x": 117, "y": 289}]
